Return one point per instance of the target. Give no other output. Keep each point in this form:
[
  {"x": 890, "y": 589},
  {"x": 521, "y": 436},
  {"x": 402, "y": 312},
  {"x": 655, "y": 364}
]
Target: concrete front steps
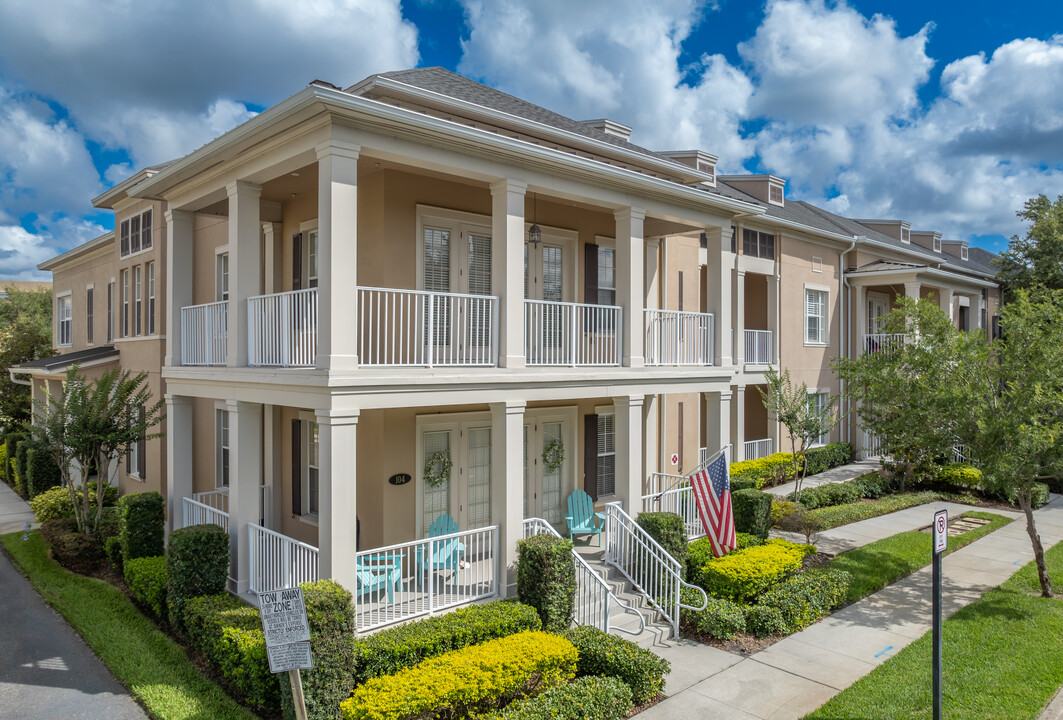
[{"x": 657, "y": 632}]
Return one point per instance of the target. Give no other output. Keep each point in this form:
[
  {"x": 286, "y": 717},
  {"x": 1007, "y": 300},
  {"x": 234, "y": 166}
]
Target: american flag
[{"x": 712, "y": 491}]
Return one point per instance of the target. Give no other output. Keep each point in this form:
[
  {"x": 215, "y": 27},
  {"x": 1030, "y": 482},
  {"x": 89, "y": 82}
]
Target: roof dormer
[
  {"x": 956, "y": 248},
  {"x": 697, "y": 159},
  {"x": 897, "y": 229},
  {"x": 929, "y": 239},
  {"x": 768, "y": 188},
  {"x": 609, "y": 127}
]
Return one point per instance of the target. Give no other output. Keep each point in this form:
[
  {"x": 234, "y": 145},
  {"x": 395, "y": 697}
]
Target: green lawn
[
  {"x": 1002, "y": 658},
  {"x": 838, "y": 515},
  {"x": 883, "y": 562},
  {"x": 155, "y": 669}
]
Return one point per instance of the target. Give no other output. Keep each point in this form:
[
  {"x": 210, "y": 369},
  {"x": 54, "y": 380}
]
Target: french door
[
  {"x": 457, "y": 259},
  {"x": 878, "y": 307},
  {"x": 544, "y": 477},
  {"x": 466, "y": 493}
]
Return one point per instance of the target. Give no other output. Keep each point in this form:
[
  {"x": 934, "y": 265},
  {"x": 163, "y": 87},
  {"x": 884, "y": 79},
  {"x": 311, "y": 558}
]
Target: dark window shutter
[
  {"x": 142, "y": 461},
  {"x": 297, "y": 466},
  {"x": 680, "y": 293},
  {"x": 590, "y": 274},
  {"x": 679, "y": 430},
  {"x": 590, "y": 455},
  {"x": 297, "y": 261}
]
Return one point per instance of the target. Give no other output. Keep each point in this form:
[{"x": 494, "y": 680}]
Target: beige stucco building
[{"x": 422, "y": 276}]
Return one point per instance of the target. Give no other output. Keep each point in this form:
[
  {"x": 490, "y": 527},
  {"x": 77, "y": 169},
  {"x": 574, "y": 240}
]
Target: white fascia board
[
  {"x": 381, "y": 113},
  {"x": 76, "y": 253},
  {"x": 808, "y": 229},
  {"x": 932, "y": 272}
]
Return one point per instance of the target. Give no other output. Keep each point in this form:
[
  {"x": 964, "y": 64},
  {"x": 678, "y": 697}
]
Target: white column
[
  {"x": 245, "y": 265},
  {"x": 738, "y": 415},
  {"x": 180, "y": 226},
  {"x": 179, "y": 453},
  {"x": 740, "y": 317},
  {"x": 245, "y": 477},
  {"x": 653, "y": 274},
  {"x": 628, "y": 443},
  {"x": 337, "y": 529},
  {"x": 718, "y": 422},
  {"x": 507, "y": 268},
  {"x": 718, "y": 277},
  {"x": 651, "y": 424},
  {"x": 775, "y": 315},
  {"x": 271, "y": 243},
  {"x": 337, "y": 250},
  {"x": 912, "y": 289},
  {"x": 980, "y": 309},
  {"x": 945, "y": 301},
  {"x": 507, "y": 491},
  {"x": 271, "y": 463},
  {"x": 630, "y": 295}
]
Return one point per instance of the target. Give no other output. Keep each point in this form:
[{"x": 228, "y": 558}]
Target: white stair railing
[
  {"x": 679, "y": 500},
  {"x": 647, "y": 565},
  {"x": 676, "y": 337},
  {"x": 593, "y": 597},
  {"x": 282, "y": 329},
  {"x": 278, "y": 561},
  {"x": 565, "y": 333},
  {"x": 758, "y": 347},
  {"x": 204, "y": 329},
  {"x": 884, "y": 342},
  {"x": 194, "y": 512}
]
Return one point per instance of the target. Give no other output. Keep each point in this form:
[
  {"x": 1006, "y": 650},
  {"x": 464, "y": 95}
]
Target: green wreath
[
  {"x": 554, "y": 455},
  {"x": 437, "y": 468}
]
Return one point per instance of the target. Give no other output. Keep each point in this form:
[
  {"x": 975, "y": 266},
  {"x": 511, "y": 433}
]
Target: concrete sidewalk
[
  {"x": 14, "y": 511},
  {"x": 799, "y": 673},
  {"x": 841, "y": 473}
]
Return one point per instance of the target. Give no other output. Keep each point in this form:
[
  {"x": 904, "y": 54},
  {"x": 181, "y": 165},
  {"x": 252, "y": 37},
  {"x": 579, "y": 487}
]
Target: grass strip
[
  {"x": 885, "y": 561},
  {"x": 1001, "y": 658},
  {"x": 156, "y": 670},
  {"x": 838, "y": 515}
]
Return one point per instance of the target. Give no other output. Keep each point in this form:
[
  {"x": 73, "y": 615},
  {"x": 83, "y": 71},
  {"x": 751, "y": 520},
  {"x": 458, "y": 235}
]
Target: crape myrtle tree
[
  {"x": 805, "y": 421},
  {"x": 1003, "y": 399},
  {"x": 88, "y": 426}
]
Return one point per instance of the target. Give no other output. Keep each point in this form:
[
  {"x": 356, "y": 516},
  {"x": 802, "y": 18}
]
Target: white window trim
[
  {"x": 567, "y": 240},
  {"x": 305, "y": 228},
  {"x": 142, "y": 250},
  {"x": 454, "y": 423},
  {"x": 304, "y": 418},
  {"x": 218, "y": 252},
  {"x": 89, "y": 342},
  {"x": 826, "y": 314},
  {"x": 151, "y": 277},
  {"x": 611, "y": 411},
  {"x": 604, "y": 242},
  {"x": 937, "y": 244},
  {"x": 814, "y": 392},
  {"x": 69, "y": 297},
  {"x": 457, "y": 222},
  {"x": 138, "y": 300}
]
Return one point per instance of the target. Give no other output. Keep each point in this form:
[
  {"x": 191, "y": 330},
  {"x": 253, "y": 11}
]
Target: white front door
[
  {"x": 878, "y": 307},
  {"x": 544, "y": 475},
  {"x": 466, "y": 493}
]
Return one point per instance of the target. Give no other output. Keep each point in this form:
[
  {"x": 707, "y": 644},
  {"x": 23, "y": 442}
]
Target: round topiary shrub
[
  {"x": 197, "y": 563},
  {"x": 546, "y": 579}
]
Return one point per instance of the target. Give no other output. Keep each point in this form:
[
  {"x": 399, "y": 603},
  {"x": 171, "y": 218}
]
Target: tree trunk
[{"x": 1025, "y": 500}]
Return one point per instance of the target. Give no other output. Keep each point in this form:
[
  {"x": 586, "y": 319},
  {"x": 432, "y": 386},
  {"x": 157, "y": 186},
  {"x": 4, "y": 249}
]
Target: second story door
[{"x": 457, "y": 270}]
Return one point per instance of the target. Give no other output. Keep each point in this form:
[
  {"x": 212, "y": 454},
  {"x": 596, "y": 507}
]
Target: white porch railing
[
  {"x": 647, "y": 565},
  {"x": 756, "y": 449},
  {"x": 217, "y": 499},
  {"x": 659, "y": 482},
  {"x": 424, "y": 577},
  {"x": 678, "y": 338},
  {"x": 282, "y": 329},
  {"x": 563, "y": 333},
  {"x": 278, "y": 561},
  {"x": 195, "y": 512},
  {"x": 883, "y": 342},
  {"x": 759, "y": 347},
  {"x": 414, "y": 328},
  {"x": 679, "y": 500},
  {"x": 593, "y": 597},
  {"x": 203, "y": 333},
  {"x": 872, "y": 445}
]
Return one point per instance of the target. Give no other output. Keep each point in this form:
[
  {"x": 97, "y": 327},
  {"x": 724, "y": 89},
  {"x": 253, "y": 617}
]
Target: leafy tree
[
  {"x": 1003, "y": 399},
  {"x": 88, "y": 427},
  {"x": 804, "y": 421},
  {"x": 25, "y": 334},
  {"x": 1036, "y": 259}
]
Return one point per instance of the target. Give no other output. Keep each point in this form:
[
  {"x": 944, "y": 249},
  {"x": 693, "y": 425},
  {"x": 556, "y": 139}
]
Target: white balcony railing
[
  {"x": 562, "y": 333},
  {"x": 278, "y": 561},
  {"x": 678, "y": 338},
  {"x": 758, "y": 347},
  {"x": 423, "y": 577},
  {"x": 756, "y": 449},
  {"x": 282, "y": 329},
  {"x": 196, "y": 512},
  {"x": 883, "y": 342},
  {"x": 414, "y": 328},
  {"x": 204, "y": 329}
]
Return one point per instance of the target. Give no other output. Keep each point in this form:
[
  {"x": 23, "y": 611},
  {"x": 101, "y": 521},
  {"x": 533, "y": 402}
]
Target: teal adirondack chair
[
  {"x": 581, "y": 518},
  {"x": 443, "y": 555},
  {"x": 377, "y": 572}
]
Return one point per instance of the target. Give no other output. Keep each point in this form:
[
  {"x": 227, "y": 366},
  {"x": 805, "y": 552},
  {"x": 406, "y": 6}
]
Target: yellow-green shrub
[
  {"x": 479, "y": 678},
  {"x": 960, "y": 474},
  {"x": 771, "y": 470},
  {"x": 744, "y": 574}
]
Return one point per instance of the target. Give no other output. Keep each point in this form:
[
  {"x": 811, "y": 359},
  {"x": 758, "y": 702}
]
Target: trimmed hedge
[
  {"x": 830, "y": 494},
  {"x": 669, "y": 530},
  {"x": 397, "y": 648},
  {"x": 804, "y": 598},
  {"x": 721, "y": 618},
  {"x": 56, "y": 503},
  {"x": 752, "y": 512},
  {"x": 586, "y": 698},
  {"x": 228, "y": 632},
  {"x": 146, "y": 578},
  {"x": 607, "y": 655},
  {"x": 873, "y": 485},
  {"x": 546, "y": 579},
  {"x": 197, "y": 563},
  {"x": 5, "y": 466},
  {"x": 21, "y": 450},
  {"x": 11, "y": 450},
  {"x": 464, "y": 682},
  {"x": 42, "y": 473},
  {"x": 1038, "y": 498},
  {"x": 961, "y": 475},
  {"x": 764, "y": 620},
  {"x": 143, "y": 522},
  {"x": 829, "y": 456},
  {"x": 772, "y": 470},
  {"x": 700, "y": 552},
  {"x": 744, "y": 574}
]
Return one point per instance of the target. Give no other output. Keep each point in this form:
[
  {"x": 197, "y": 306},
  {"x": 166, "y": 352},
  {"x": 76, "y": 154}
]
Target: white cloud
[{"x": 22, "y": 250}]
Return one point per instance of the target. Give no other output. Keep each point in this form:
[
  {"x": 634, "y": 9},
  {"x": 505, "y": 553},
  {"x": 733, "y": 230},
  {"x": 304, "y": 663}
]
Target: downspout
[
  {"x": 847, "y": 344},
  {"x": 12, "y": 373}
]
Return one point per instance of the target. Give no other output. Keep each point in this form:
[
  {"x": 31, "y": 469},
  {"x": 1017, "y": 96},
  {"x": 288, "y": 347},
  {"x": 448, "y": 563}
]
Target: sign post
[
  {"x": 287, "y": 639},
  {"x": 941, "y": 542}
]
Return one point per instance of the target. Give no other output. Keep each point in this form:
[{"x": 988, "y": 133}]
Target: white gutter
[{"x": 12, "y": 373}]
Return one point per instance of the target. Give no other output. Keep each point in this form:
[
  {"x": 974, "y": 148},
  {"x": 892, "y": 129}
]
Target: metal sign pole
[
  {"x": 941, "y": 541},
  {"x": 297, "y": 694}
]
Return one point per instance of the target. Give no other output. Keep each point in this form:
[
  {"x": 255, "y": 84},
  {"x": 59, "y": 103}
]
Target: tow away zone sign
[{"x": 287, "y": 638}]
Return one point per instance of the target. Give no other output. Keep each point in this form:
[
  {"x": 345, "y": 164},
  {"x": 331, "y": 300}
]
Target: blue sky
[{"x": 949, "y": 119}]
